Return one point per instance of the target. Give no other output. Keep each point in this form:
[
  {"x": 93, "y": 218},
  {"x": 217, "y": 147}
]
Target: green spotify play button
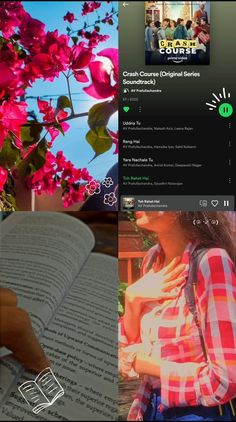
[{"x": 225, "y": 110}]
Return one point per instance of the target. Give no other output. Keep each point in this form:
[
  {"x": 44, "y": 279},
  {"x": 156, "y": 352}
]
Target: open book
[
  {"x": 42, "y": 392},
  {"x": 71, "y": 296}
]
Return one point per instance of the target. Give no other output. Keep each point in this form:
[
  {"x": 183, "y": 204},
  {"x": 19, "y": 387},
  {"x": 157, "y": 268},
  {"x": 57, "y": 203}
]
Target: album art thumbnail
[{"x": 177, "y": 32}]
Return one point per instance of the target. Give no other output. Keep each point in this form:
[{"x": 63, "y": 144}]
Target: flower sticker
[
  {"x": 110, "y": 199},
  {"x": 93, "y": 187},
  {"x": 107, "y": 182}
]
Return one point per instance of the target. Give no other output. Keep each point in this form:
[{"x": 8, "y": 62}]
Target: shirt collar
[{"x": 157, "y": 252}]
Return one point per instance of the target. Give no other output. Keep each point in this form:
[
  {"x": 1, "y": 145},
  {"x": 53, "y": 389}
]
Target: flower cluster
[
  {"x": 57, "y": 172},
  {"x": 50, "y": 114},
  {"x": 12, "y": 116},
  {"x": 102, "y": 78},
  {"x": 28, "y": 52},
  {"x": 93, "y": 37},
  {"x": 70, "y": 17},
  {"x": 90, "y": 7}
]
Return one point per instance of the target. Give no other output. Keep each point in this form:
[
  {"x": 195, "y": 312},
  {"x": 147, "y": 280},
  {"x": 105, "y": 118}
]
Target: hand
[
  {"x": 16, "y": 333},
  {"x": 159, "y": 286},
  {"x": 126, "y": 359}
]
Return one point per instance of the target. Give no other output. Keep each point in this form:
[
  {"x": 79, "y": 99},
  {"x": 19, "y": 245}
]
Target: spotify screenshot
[{"x": 177, "y": 105}]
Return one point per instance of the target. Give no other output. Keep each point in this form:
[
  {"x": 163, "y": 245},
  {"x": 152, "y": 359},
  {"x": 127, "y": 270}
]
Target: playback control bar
[{"x": 177, "y": 203}]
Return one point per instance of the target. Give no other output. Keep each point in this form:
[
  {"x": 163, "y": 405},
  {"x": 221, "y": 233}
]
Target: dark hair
[
  {"x": 204, "y": 19},
  {"x": 217, "y": 235},
  {"x": 172, "y": 20},
  {"x": 149, "y": 21},
  {"x": 188, "y": 24},
  {"x": 179, "y": 20},
  {"x": 167, "y": 20},
  {"x": 157, "y": 24}
]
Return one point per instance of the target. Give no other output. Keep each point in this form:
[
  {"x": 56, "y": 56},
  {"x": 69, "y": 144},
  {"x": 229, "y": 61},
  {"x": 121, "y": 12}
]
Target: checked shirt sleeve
[{"x": 214, "y": 382}]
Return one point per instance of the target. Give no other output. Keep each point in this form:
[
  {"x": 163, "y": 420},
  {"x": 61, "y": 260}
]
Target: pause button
[
  {"x": 225, "y": 110},
  {"x": 226, "y": 203}
]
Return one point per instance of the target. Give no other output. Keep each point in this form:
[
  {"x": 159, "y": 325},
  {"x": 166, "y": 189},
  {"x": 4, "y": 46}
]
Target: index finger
[
  {"x": 7, "y": 297},
  {"x": 171, "y": 265},
  {"x": 175, "y": 272},
  {"x": 17, "y": 334}
]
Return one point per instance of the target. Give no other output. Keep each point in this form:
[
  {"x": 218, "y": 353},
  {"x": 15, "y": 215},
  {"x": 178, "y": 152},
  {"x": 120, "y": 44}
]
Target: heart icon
[
  {"x": 214, "y": 202},
  {"x": 126, "y": 109}
]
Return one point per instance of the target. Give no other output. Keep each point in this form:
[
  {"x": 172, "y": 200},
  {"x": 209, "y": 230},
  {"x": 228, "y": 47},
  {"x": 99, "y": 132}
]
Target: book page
[
  {"x": 81, "y": 342},
  {"x": 40, "y": 255}
]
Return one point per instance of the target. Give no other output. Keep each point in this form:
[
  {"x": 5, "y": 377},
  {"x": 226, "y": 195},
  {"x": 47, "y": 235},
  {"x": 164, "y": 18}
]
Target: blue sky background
[{"x": 74, "y": 143}]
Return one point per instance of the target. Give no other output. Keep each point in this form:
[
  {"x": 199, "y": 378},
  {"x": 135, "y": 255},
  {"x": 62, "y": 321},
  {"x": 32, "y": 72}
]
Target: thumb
[{"x": 17, "y": 335}]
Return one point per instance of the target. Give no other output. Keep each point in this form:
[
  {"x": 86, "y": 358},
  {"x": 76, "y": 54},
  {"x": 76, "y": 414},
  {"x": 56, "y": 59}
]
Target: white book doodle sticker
[{"x": 42, "y": 392}]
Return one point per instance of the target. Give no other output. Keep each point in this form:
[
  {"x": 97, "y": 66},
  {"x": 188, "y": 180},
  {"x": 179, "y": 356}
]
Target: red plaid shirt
[{"x": 185, "y": 377}]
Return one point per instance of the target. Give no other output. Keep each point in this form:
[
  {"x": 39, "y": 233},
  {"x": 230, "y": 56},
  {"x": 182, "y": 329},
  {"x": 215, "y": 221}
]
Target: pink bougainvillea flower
[
  {"x": 54, "y": 133},
  {"x": 53, "y": 57},
  {"x": 115, "y": 139},
  {"x": 113, "y": 55},
  {"x": 73, "y": 196},
  {"x": 102, "y": 85},
  {"x": 42, "y": 66},
  {"x": 70, "y": 17},
  {"x": 3, "y": 177},
  {"x": 57, "y": 46},
  {"x": 90, "y": 7},
  {"x": 44, "y": 180},
  {"x": 12, "y": 116},
  {"x": 81, "y": 76},
  {"x": 31, "y": 31},
  {"x": 10, "y": 16},
  {"x": 57, "y": 172},
  {"x": 93, "y": 37},
  {"x": 7, "y": 76},
  {"x": 51, "y": 115},
  {"x": 44, "y": 106},
  {"x": 81, "y": 56}
]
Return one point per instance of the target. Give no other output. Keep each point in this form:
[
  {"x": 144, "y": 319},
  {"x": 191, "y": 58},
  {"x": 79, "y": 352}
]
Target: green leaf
[
  {"x": 63, "y": 102},
  {"x": 100, "y": 114},
  {"x": 35, "y": 160},
  {"x": 99, "y": 140},
  {"x": 120, "y": 309},
  {"x": 75, "y": 40},
  {"x": 9, "y": 154},
  {"x": 59, "y": 127},
  {"x": 64, "y": 184},
  {"x": 22, "y": 53},
  {"x": 121, "y": 297},
  {"x": 30, "y": 134},
  {"x": 7, "y": 202}
]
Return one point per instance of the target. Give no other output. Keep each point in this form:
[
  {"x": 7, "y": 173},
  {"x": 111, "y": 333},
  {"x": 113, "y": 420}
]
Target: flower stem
[{"x": 69, "y": 92}]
